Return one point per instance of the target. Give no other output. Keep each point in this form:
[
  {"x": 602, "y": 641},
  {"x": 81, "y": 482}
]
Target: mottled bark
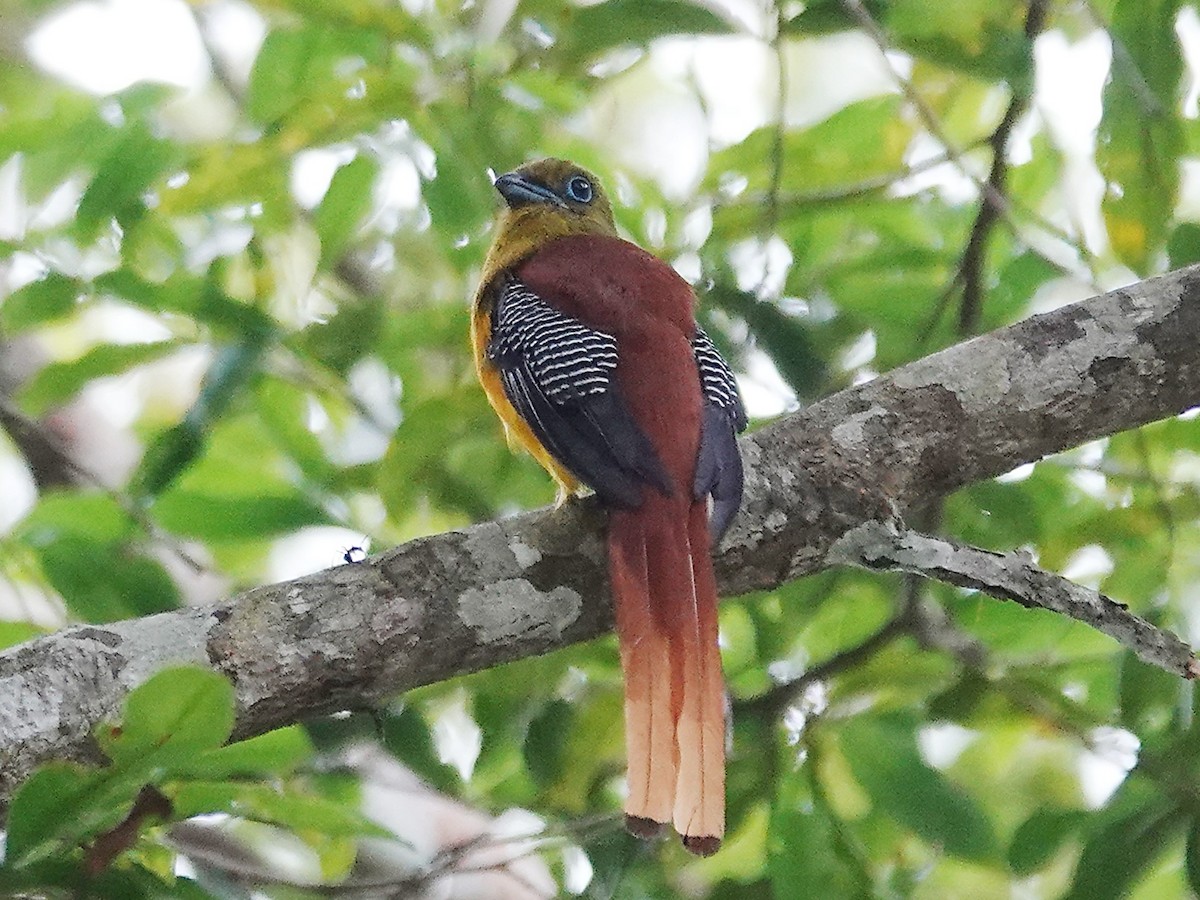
[
  {"x": 882, "y": 546},
  {"x": 498, "y": 591}
]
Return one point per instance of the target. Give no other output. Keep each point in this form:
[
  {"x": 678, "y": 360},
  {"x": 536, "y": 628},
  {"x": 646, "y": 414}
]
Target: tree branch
[
  {"x": 972, "y": 265},
  {"x": 1010, "y": 576},
  {"x": 465, "y": 600}
]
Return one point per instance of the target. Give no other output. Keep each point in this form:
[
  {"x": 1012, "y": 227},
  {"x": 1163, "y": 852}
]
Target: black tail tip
[
  {"x": 646, "y": 829},
  {"x": 701, "y": 845}
]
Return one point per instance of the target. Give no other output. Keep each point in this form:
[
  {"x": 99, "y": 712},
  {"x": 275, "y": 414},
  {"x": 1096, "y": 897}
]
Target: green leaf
[
  {"x": 460, "y": 193},
  {"x": 174, "y": 715},
  {"x": 546, "y": 741},
  {"x": 62, "y": 805},
  {"x": 352, "y": 333},
  {"x": 1041, "y": 836},
  {"x": 1192, "y": 856},
  {"x": 277, "y": 752},
  {"x": 1183, "y": 249},
  {"x": 235, "y": 517},
  {"x": 57, "y": 796},
  {"x": 407, "y": 736},
  {"x": 135, "y": 162},
  {"x": 980, "y": 38},
  {"x": 1123, "y": 848},
  {"x": 199, "y": 297},
  {"x": 51, "y": 297},
  {"x": 13, "y": 633},
  {"x": 348, "y": 198},
  {"x": 600, "y": 27},
  {"x": 865, "y": 140},
  {"x": 41, "y": 804},
  {"x": 1150, "y": 697},
  {"x": 830, "y": 16},
  {"x": 788, "y": 340},
  {"x": 883, "y": 755},
  {"x": 313, "y": 60},
  {"x": 105, "y": 581},
  {"x": 1018, "y": 280},
  {"x": 263, "y": 803},
  {"x": 235, "y": 366},
  {"x": 284, "y": 410},
  {"x": 977, "y": 37},
  {"x": 175, "y": 448},
  {"x": 59, "y": 382},
  {"x": 1140, "y": 137},
  {"x": 167, "y": 456},
  {"x": 278, "y": 75},
  {"x": 809, "y": 852},
  {"x": 94, "y": 515}
]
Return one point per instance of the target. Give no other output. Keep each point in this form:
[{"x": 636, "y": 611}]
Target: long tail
[{"x": 666, "y": 609}]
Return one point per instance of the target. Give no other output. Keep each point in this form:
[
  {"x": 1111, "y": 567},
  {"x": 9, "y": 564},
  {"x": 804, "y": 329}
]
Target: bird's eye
[{"x": 579, "y": 189}]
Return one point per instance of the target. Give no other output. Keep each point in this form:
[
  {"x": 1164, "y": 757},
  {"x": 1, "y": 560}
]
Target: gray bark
[{"x": 465, "y": 600}]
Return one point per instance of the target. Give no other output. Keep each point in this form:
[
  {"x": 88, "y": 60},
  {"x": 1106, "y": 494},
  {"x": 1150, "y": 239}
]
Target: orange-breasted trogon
[{"x": 588, "y": 349}]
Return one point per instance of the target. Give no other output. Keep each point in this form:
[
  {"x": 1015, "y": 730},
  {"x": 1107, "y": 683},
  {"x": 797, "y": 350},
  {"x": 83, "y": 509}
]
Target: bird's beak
[{"x": 517, "y": 190}]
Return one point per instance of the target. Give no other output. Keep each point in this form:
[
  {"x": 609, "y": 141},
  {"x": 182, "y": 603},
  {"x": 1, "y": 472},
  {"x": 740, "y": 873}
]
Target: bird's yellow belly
[{"x": 518, "y": 433}]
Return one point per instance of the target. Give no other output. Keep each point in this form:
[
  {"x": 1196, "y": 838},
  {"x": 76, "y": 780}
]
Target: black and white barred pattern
[
  {"x": 716, "y": 379},
  {"x": 567, "y": 359}
]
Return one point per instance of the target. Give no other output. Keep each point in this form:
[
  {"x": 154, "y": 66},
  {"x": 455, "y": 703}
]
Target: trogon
[{"x": 588, "y": 349}]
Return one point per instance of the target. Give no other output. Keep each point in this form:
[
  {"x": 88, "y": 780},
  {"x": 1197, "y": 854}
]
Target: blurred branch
[
  {"x": 349, "y": 269},
  {"x": 215, "y": 849},
  {"x": 1002, "y": 206},
  {"x": 774, "y": 702},
  {"x": 465, "y": 600},
  {"x": 53, "y": 465},
  {"x": 1123, "y": 60},
  {"x": 1162, "y": 504},
  {"x": 223, "y": 74},
  {"x": 150, "y": 804},
  {"x": 917, "y": 617},
  {"x": 45, "y": 453},
  {"x": 778, "y": 47},
  {"x": 45, "y": 448},
  {"x": 435, "y": 838},
  {"x": 1010, "y": 576},
  {"x": 973, "y": 258}
]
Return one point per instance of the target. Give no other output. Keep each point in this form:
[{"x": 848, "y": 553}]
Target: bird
[{"x": 588, "y": 350}]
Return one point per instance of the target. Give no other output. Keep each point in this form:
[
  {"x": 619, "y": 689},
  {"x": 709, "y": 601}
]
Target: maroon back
[{"x": 616, "y": 287}]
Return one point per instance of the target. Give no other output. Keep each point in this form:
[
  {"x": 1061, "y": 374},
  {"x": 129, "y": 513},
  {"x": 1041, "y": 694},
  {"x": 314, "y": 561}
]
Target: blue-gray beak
[{"x": 517, "y": 190}]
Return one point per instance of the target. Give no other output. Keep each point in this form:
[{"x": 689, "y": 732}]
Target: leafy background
[{"x": 233, "y": 322}]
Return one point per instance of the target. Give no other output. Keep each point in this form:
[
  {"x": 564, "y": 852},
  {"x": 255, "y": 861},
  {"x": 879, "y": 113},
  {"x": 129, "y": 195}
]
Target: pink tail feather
[{"x": 666, "y": 610}]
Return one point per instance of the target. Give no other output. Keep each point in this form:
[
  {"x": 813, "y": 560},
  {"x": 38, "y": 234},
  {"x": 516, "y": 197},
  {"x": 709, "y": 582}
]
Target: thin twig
[
  {"x": 150, "y": 804},
  {"x": 973, "y": 259},
  {"x": 13, "y": 417},
  {"x": 193, "y": 840},
  {"x": 777, "y": 44},
  {"x": 879, "y": 546},
  {"x": 1161, "y": 504},
  {"x": 1003, "y": 206},
  {"x": 1138, "y": 85},
  {"x": 859, "y": 190},
  {"x": 773, "y": 702}
]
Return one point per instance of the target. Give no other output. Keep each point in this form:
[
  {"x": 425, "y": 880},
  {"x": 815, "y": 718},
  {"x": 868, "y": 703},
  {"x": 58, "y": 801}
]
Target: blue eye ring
[{"x": 578, "y": 189}]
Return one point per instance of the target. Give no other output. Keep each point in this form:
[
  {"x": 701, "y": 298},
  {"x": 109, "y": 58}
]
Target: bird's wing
[
  {"x": 718, "y": 464},
  {"x": 559, "y": 375}
]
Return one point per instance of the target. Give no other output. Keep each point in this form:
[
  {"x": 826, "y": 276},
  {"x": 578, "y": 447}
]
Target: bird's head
[
  {"x": 560, "y": 191},
  {"x": 544, "y": 200}
]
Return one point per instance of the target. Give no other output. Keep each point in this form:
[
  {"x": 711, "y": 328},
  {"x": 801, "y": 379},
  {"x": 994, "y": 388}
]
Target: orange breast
[{"x": 518, "y": 434}]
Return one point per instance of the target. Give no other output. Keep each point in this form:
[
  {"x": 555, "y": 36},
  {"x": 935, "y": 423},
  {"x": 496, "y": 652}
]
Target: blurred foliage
[{"x": 266, "y": 276}]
